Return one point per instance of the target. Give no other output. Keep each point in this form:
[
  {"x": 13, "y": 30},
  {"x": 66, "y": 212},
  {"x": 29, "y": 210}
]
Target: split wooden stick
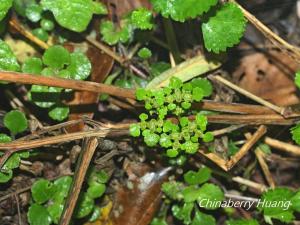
[
  {"x": 80, "y": 172},
  {"x": 261, "y": 159},
  {"x": 66, "y": 83},
  {"x": 283, "y": 146},
  {"x": 291, "y": 50},
  {"x": 278, "y": 109},
  {"x": 250, "y": 183},
  {"x": 246, "y": 147}
]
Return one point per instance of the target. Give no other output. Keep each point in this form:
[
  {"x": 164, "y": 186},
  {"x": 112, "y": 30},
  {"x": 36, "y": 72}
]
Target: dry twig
[
  {"x": 285, "y": 147},
  {"x": 80, "y": 172}
]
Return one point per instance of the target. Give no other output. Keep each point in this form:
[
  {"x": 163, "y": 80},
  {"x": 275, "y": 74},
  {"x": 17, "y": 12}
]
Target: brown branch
[
  {"x": 266, "y": 116},
  {"x": 16, "y": 146},
  {"x": 16, "y": 25},
  {"x": 227, "y": 165},
  {"x": 250, "y": 183},
  {"x": 283, "y": 146},
  {"x": 278, "y": 109},
  {"x": 215, "y": 158},
  {"x": 272, "y": 119},
  {"x": 246, "y": 147},
  {"x": 291, "y": 50},
  {"x": 80, "y": 172},
  {"x": 233, "y": 107},
  {"x": 66, "y": 83},
  {"x": 262, "y": 162},
  {"x": 106, "y": 50},
  {"x": 264, "y": 166}
]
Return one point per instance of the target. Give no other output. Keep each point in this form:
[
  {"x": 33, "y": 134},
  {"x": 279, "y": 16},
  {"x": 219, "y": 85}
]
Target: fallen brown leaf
[
  {"x": 269, "y": 76},
  {"x": 138, "y": 202}
]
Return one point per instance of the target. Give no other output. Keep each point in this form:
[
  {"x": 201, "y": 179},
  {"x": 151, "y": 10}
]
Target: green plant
[
  {"x": 295, "y": 131},
  {"x": 186, "y": 198},
  {"x": 188, "y": 201},
  {"x": 222, "y": 25},
  {"x": 16, "y": 122},
  {"x": 282, "y": 212},
  {"x": 49, "y": 198},
  {"x": 68, "y": 65},
  {"x": 46, "y": 12},
  {"x": 177, "y": 137},
  {"x": 8, "y": 60}
]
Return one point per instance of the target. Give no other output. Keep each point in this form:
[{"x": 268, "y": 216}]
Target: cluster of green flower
[{"x": 179, "y": 134}]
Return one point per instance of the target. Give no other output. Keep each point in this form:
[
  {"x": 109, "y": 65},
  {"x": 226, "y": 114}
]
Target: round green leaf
[
  {"x": 61, "y": 186},
  {"x": 190, "y": 193},
  {"x": 98, "y": 177},
  {"x": 184, "y": 212},
  {"x": 204, "y": 84},
  {"x": 175, "y": 83},
  {"x": 141, "y": 94},
  {"x": 95, "y": 215},
  {"x": 143, "y": 117},
  {"x": 5, "y": 138},
  {"x": 38, "y": 215},
  {"x": 135, "y": 130},
  {"x": 141, "y": 18},
  {"x": 112, "y": 35},
  {"x": 208, "y": 137},
  {"x": 158, "y": 221},
  {"x": 21, "y": 5},
  {"x": 56, "y": 57},
  {"x": 12, "y": 162},
  {"x": 15, "y": 121},
  {"x": 42, "y": 190},
  {"x": 33, "y": 66},
  {"x": 8, "y": 61},
  {"x": 4, "y": 7},
  {"x": 84, "y": 206},
  {"x": 59, "y": 113},
  {"x": 224, "y": 29},
  {"x": 151, "y": 139},
  {"x": 199, "y": 177},
  {"x": 184, "y": 121},
  {"x": 55, "y": 210},
  {"x": 6, "y": 176},
  {"x": 181, "y": 10},
  {"x": 190, "y": 147},
  {"x": 172, "y": 153},
  {"x": 282, "y": 212},
  {"x": 43, "y": 96},
  {"x": 80, "y": 66},
  {"x": 40, "y": 34},
  {"x": 165, "y": 141},
  {"x": 205, "y": 219},
  {"x": 33, "y": 12},
  {"x": 47, "y": 24},
  {"x": 295, "y": 200},
  {"x": 144, "y": 53},
  {"x": 201, "y": 121},
  {"x": 209, "y": 192},
  {"x": 99, "y": 8},
  {"x": 74, "y": 15},
  {"x": 198, "y": 94},
  {"x": 96, "y": 190},
  {"x": 297, "y": 79},
  {"x": 173, "y": 189}
]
